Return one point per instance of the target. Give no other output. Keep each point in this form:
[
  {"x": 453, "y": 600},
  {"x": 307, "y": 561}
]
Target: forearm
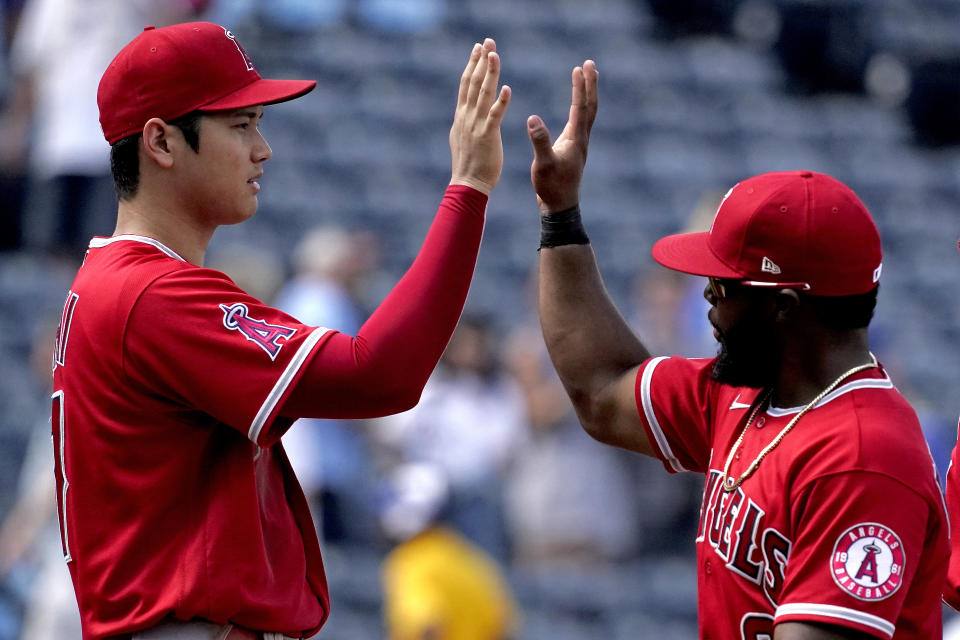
[
  {"x": 384, "y": 368},
  {"x": 589, "y": 341}
]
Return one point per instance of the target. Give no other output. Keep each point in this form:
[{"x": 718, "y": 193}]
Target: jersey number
[
  {"x": 756, "y": 626},
  {"x": 58, "y": 427},
  {"x": 59, "y": 463}
]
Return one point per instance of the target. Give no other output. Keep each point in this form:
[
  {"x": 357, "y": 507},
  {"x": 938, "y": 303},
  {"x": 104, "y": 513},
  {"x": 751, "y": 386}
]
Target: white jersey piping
[
  {"x": 97, "y": 243},
  {"x": 837, "y": 613},
  {"x": 647, "y": 402},
  {"x": 866, "y": 383},
  {"x": 283, "y": 382}
]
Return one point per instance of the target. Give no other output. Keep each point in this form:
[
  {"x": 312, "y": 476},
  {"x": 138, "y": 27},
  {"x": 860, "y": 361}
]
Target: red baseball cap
[
  {"x": 168, "y": 72},
  {"x": 796, "y": 227}
]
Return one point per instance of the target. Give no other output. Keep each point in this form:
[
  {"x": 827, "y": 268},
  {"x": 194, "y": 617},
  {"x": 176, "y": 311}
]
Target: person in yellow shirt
[{"x": 437, "y": 584}]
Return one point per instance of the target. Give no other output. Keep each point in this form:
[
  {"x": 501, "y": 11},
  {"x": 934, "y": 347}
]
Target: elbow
[
  {"x": 595, "y": 418},
  {"x": 599, "y": 431},
  {"x": 405, "y": 400},
  {"x": 399, "y": 395}
]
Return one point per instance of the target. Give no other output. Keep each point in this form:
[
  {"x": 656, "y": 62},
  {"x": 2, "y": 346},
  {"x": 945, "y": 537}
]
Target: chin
[
  {"x": 755, "y": 368},
  {"x": 241, "y": 214}
]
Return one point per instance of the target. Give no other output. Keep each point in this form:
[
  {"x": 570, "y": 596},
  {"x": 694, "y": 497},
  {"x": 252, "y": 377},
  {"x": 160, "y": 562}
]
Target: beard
[{"x": 749, "y": 357}]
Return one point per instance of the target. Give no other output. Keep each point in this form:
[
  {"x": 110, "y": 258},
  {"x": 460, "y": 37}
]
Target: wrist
[
  {"x": 561, "y": 228},
  {"x": 481, "y": 186}
]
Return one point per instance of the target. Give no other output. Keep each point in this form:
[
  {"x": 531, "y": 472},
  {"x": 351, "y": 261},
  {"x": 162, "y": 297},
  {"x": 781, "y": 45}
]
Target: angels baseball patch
[{"x": 868, "y": 561}]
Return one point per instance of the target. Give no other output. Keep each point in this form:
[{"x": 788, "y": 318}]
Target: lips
[{"x": 717, "y": 334}]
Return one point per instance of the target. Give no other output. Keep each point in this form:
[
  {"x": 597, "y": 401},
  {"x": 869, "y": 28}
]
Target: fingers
[
  {"x": 488, "y": 87},
  {"x": 539, "y": 137},
  {"x": 468, "y": 73},
  {"x": 499, "y": 107},
  {"x": 583, "y": 103},
  {"x": 591, "y": 78},
  {"x": 480, "y": 70}
]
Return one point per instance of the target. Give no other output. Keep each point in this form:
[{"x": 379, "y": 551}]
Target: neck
[
  {"x": 154, "y": 218},
  {"x": 812, "y": 366}
]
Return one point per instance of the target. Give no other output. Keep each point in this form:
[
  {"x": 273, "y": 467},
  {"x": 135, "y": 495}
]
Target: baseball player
[
  {"x": 180, "y": 515},
  {"x": 821, "y": 516},
  {"x": 951, "y": 593}
]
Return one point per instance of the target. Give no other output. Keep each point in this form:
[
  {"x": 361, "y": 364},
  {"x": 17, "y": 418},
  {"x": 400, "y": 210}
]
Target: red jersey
[
  {"x": 951, "y": 594},
  {"x": 842, "y": 523},
  {"x": 175, "y": 495}
]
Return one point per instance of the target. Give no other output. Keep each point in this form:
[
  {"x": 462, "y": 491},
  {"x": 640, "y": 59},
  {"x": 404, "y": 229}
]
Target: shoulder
[
  {"x": 867, "y": 426},
  {"x": 665, "y": 381},
  {"x": 116, "y": 272}
]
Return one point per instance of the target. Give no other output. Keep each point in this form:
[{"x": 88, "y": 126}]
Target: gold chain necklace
[{"x": 729, "y": 484}]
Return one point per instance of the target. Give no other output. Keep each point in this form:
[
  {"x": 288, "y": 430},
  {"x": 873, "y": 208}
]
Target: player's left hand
[{"x": 557, "y": 169}]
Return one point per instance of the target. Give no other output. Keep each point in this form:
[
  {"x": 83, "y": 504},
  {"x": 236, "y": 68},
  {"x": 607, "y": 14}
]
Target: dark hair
[
  {"x": 125, "y": 163},
  {"x": 845, "y": 312}
]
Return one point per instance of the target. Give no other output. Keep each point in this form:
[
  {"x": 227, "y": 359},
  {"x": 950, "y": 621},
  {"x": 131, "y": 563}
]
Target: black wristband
[{"x": 562, "y": 227}]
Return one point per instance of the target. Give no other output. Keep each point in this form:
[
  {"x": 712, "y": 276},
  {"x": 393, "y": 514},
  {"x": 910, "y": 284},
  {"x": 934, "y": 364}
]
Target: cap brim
[
  {"x": 691, "y": 253},
  {"x": 262, "y": 91}
]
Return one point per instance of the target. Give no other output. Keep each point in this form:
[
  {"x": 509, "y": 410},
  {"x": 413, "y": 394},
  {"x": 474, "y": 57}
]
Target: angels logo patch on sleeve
[
  {"x": 868, "y": 561},
  {"x": 267, "y": 335}
]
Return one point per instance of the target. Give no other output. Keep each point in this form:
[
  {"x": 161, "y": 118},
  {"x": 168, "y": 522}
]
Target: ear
[
  {"x": 786, "y": 304},
  {"x": 157, "y": 142}
]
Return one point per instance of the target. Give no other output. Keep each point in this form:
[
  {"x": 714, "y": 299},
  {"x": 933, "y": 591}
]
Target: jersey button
[
  {"x": 762, "y": 421},
  {"x": 707, "y": 568}
]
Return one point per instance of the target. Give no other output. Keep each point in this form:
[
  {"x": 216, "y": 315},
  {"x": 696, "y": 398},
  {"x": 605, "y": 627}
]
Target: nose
[
  {"x": 708, "y": 294},
  {"x": 262, "y": 151}
]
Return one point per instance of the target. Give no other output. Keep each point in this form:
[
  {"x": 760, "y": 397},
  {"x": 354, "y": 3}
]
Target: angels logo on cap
[{"x": 868, "y": 561}]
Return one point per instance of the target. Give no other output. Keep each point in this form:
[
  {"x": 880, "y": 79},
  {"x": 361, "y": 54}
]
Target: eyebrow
[{"x": 246, "y": 113}]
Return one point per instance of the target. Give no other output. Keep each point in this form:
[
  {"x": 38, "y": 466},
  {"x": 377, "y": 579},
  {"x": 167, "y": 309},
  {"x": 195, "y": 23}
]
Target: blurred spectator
[
  {"x": 669, "y": 311},
  {"x": 255, "y": 270},
  {"x": 50, "y": 128},
  {"x": 332, "y": 458},
  {"x": 437, "y": 584},
  {"x": 30, "y": 534},
  {"x": 471, "y": 423},
  {"x": 11, "y": 174},
  {"x": 554, "y": 522}
]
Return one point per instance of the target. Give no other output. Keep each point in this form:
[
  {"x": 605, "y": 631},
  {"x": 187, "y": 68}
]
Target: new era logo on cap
[
  {"x": 820, "y": 232},
  {"x": 769, "y": 266}
]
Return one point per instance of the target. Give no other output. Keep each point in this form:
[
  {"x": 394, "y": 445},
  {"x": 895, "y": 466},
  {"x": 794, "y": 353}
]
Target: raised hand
[
  {"x": 557, "y": 169},
  {"x": 475, "y": 146}
]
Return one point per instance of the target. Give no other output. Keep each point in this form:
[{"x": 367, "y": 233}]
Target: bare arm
[{"x": 593, "y": 349}]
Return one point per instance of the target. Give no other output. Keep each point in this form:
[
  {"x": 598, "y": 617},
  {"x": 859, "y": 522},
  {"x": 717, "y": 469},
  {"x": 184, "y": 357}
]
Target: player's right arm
[
  {"x": 383, "y": 368},
  {"x": 596, "y": 354}
]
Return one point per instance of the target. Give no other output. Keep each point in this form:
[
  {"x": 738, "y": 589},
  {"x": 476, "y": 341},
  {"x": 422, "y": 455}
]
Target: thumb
[{"x": 539, "y": 136}]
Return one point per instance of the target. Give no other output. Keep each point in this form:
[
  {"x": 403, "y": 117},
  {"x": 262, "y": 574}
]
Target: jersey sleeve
[
  {"x": 859, "y": 537},
  {"x": 196, "y": 339},
  {"x": 951, "y": 593},
  {"x": 673, "y": 399}
]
